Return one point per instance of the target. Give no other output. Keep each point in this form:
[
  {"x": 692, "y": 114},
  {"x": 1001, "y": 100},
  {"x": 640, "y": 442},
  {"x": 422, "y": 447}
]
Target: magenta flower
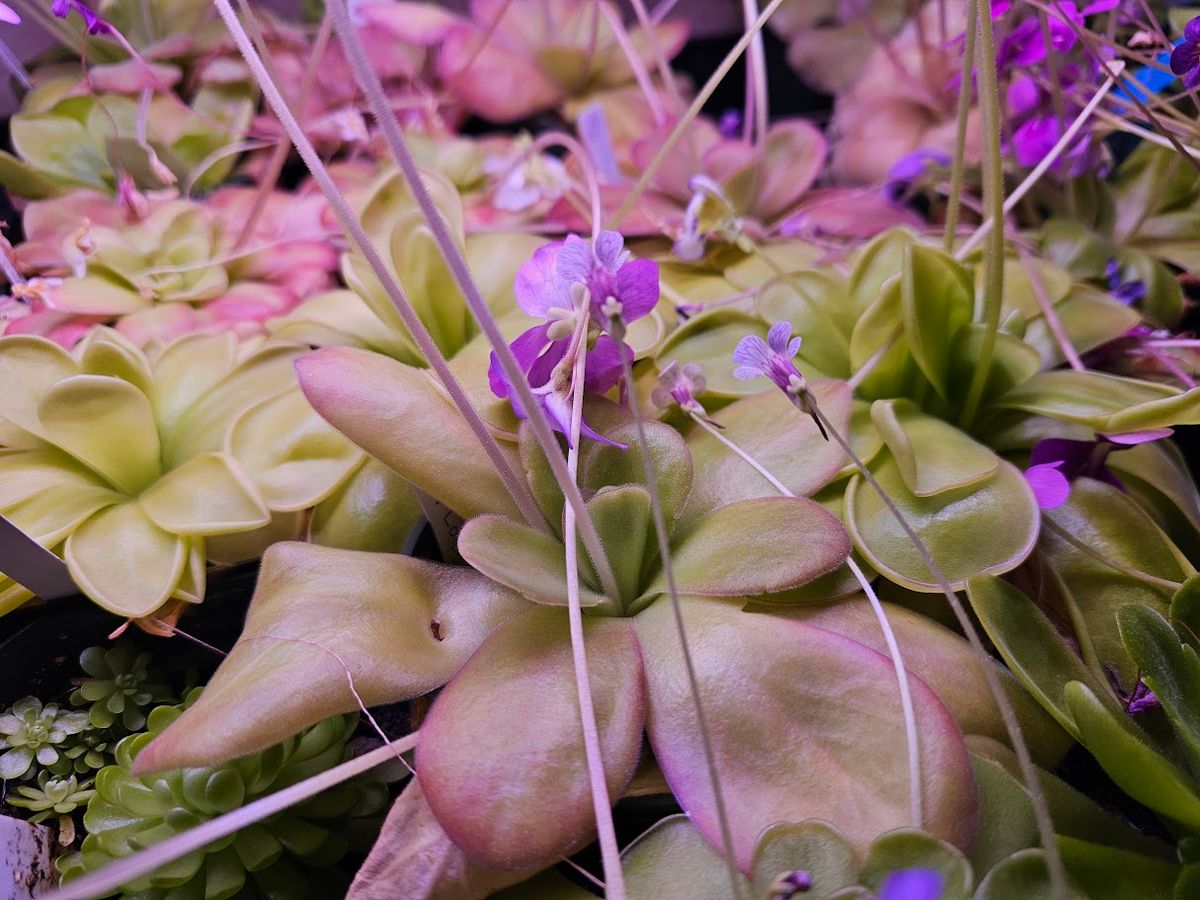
[
  {"x": 1185, "y": 58},
  {"x": 1128, "y": 292},
  {"x": 561, "y": 282},
  {"x": 95, "y": 24},
  {"x": 1056, "y": 462},
  {"x": 912, "y": 884},
  {"x": 8, "y": 15}
]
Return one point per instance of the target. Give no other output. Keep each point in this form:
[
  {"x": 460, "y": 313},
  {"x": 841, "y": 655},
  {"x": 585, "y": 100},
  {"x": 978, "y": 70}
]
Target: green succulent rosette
[
  {"x": 120, "y": 686},
  {"x": 33, "y": 737},
  {"x": 128, "y": 463},
  {"x": 55, "y": 795},
  {"x": 289, "y": 855}
]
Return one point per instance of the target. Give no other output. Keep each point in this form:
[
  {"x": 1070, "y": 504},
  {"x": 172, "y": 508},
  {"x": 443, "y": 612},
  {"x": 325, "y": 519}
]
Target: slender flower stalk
[
  {"x": 702, "y": 97},
  {"x": 993, "y": 193},
  {"x": 350, "y": 222},
  {"x": 664, "y": 550},
  {"x": 640, "y": 75},
  {"x": 756, "y": 77},
  {"x": 109, "y": 879},
  {"x": 610, "y": 853},
  {"x": 965, "y": 92},
  {"x": 369, "y": 83}
]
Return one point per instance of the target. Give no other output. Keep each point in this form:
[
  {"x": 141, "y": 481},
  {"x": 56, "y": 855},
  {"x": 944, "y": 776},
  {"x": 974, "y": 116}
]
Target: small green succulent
[
  {"x": 290, "y": 855},
  {"x": 33, "y": 736},
  {"x": 121, "y": 684},
  {"x": 88, "y": 752},
  {"x": 54, "y": 796}
]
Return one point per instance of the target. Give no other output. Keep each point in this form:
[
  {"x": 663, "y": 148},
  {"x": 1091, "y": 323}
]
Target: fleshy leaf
[
  {"x": 673, "y": 861},
  {"x": 1037, "y": 654},
  {"x": 785, "y": 441},
  {"x": 944, "y": 660},
  {"x": 1108, "y": 404},
  {"x": 526, "y": 560},
  {"x": 29, "y": 365},
  {"x": 909, "y": 848},
  {"x": 209, "y": 494},
  {"x": 1126, "y": 755},
  {"x": 1115, "y": 873},
  {"x": 106, "y": 423},
  {"x": 413, "y": 858},
  {"x": 402, "y": 627},
  {"x": 933, "y": 456},
  {"x": 1023, "y": 876},
  {"x": 988, "y": 527},
  {"x": 294, "y": 457},
  {"x": 804, "y": 723},
  {"x": 754, "y": 547},
  {"x": 125, "y": 562},
  {"x": 398, "y": 415},
  {"x": 937, "y": 300},
  {"x": 375, "y": 509},
  {"x": 814, "y": 847},
  {"x": 513, "y": 711}
]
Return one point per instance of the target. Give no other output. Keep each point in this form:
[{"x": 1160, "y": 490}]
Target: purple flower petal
[
  {"x": 1133, "y": 438},
  {"x": 912, "y": 884},
  {"x": 610, "y": 245},
  {"x": 1191, "y": 31},
  {"x": 752, "y": 356},
  {"x": 602, "y": 369},
  {"x": 1100, "y": 6},
  {"x": 637, "y": 288},
  {"x": 779, "y": 336},
  {"x": 593, "y": 131},
  {"x": 1050, "y": 486},
  {"x": 575, "y": 260},
  {"x": 538, "y": 287}
]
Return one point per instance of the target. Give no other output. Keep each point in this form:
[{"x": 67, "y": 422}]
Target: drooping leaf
[
  {"x": 401, "y": 626},
  {"x": 502, "y": 744},
  {"x": 770, "y": 686}
]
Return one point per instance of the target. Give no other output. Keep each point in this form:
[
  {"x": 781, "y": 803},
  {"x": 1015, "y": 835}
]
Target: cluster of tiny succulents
[{"x": 823, "y": 478}]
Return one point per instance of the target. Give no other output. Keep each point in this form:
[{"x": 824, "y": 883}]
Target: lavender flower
[
  {"x": 789, "y": 884},
  {"x": 1056, "y": 462},
  {"x": 586, "y": 293},
  {"x": 772, "y": 359},
  {"x": 912, "y": 884},
  {"x": 679, "y": 387},
  {"x": 910, "y": 169},
  {"x": 1185, "y": 58},
  {"x": 8, "y": 15}
]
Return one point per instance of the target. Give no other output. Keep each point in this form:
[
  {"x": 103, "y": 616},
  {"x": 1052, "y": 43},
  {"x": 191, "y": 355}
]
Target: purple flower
[
  {"x": 788, "y": 884},
  {"x": 1056, "y": 462},
  {"x": 730, "y": 124},
  {"x": 95, "y": 24},
  {"x": 8, "y": 15},
  {"x": 679, "y": 387},
  {"x": 1185, "y": 58},
  {"x": 911, "y": 168},
  {"x": 586, "y": 292},
  {"x": 772, "y": 358},
  {"x": 1128, "y": 292},
  {"x": 912, "y": 884}
]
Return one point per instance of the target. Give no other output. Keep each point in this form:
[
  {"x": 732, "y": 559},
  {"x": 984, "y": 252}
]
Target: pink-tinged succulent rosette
[{"x": 515, "y": 58}]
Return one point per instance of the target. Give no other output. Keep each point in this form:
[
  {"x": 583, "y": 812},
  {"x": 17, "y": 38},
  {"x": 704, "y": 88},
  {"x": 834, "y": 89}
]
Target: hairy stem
[{"x": 965, "y": 92}]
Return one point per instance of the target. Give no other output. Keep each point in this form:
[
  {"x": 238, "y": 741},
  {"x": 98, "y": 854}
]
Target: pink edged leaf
[
  {"x": 492, "y": 81},
  {"x": 673, "y": 861},
  {"x": 795, "y": 153},
  {"x": 785, "y": 441},
  {"x": 399, "y": 415},
  {"x": 804, "y": 724},
  {"x": 422, "y": 24},
  {"x": 501, "y": 755},
  {"x": 400, "y": 626},
  {"x": 752, "y": 547},
  {"x": 413, "y": 857},
  {"x": 944, "y": 661}
]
